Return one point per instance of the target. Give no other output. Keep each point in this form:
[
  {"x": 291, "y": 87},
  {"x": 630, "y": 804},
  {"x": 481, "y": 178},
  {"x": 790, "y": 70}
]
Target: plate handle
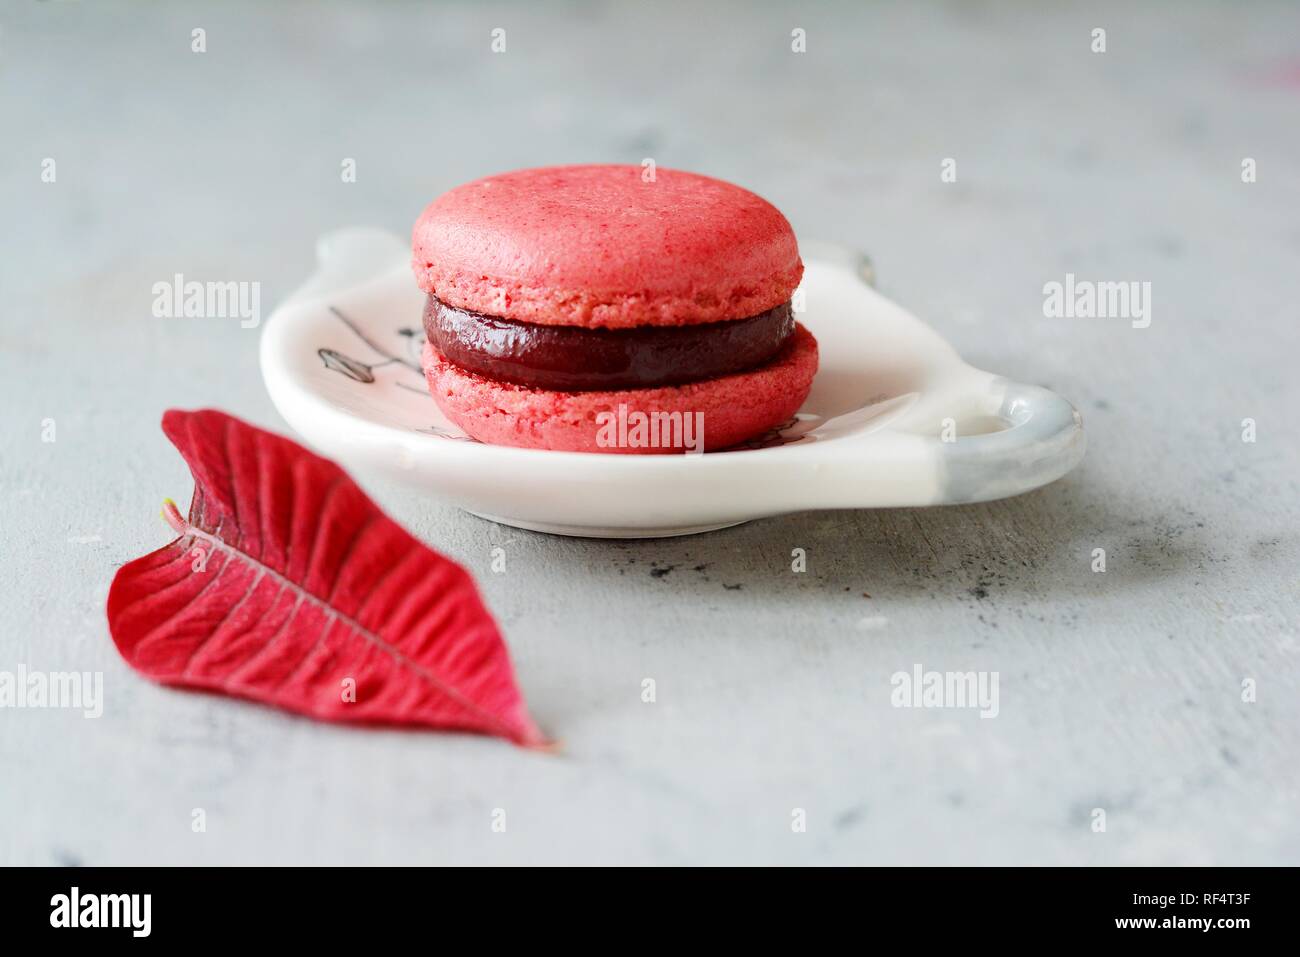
[
  {"x": 1040, "y": 439},
  {"x": 348, "y": 257}
]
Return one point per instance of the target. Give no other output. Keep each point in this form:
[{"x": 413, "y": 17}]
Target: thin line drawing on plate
[{"x": 363, "y": 372}]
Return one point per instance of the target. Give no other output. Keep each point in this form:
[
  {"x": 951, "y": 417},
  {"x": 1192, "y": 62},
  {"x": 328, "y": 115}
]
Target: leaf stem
[{"x": 172, "y": 516}]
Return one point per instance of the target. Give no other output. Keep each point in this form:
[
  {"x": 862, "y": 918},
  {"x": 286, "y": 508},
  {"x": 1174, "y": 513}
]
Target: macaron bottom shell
[{"x": 699, "y": 416}]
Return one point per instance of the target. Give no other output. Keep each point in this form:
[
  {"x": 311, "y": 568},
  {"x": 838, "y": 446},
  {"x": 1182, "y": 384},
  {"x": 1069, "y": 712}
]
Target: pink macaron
[{"x": 569, "y": 306}]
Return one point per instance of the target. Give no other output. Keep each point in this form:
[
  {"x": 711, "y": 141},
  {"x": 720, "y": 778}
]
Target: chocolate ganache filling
[{"x": 573, "y": 359}]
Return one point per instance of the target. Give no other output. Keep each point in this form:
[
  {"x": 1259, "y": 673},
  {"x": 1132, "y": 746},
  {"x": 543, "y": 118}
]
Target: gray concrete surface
[{"x": 1120, "y": 691}]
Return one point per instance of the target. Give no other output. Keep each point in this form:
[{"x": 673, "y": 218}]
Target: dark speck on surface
[
  {"x": 1169, "y": 246},
  {"x": 846, "y": 819},
  {"x": 659, "y": 571}
]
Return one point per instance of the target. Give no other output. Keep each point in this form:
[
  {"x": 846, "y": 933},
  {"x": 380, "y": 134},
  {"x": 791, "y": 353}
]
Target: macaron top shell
[{"x": 606, "y": 247}]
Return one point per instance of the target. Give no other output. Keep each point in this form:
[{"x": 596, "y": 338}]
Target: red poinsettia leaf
[{"x": 289, "y": 586}]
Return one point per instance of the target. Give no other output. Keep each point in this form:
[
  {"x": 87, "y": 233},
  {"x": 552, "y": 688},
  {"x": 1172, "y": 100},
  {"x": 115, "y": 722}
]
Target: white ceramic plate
[{"x": 895, "y": 418}]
